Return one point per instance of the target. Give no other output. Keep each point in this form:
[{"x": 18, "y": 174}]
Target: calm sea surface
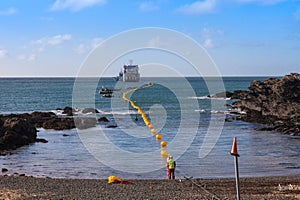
[{"x": 192, "y": 124}]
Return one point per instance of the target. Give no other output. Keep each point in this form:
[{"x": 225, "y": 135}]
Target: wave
[
  {"x": 100, "y": 112},
  {"x": 206, "y": 97},
  {"x": 227, "y": 112}
]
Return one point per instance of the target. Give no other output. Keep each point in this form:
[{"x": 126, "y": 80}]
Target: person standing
[{"x": 171, "y": 165}]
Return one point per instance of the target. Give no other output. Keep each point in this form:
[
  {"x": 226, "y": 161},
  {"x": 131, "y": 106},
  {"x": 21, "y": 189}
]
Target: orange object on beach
[{"x": 234, "y": 148}]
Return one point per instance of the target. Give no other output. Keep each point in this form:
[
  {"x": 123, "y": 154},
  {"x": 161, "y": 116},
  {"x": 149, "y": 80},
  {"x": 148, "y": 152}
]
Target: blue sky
[{"x": 243, "y": 37}]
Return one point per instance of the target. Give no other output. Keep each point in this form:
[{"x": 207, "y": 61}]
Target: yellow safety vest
[{"x": 171, "y": 164}]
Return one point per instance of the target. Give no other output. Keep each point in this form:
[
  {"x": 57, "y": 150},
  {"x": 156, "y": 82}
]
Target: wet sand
[{"x": 23, "y": 187}]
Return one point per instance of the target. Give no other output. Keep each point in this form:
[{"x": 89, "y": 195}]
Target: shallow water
[{"x": 190, "y": 128}]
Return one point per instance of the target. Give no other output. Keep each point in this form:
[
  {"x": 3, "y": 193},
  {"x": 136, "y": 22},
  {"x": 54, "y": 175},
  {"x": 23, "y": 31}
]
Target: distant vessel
[{"x": 130, "y": 73}]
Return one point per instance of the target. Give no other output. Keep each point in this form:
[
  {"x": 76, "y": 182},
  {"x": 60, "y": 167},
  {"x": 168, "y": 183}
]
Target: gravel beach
[{"x": 24, "y": 187}]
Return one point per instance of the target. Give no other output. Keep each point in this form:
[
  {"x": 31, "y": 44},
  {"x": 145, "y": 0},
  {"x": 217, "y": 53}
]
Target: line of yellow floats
[{"x": 158, "y": 136}]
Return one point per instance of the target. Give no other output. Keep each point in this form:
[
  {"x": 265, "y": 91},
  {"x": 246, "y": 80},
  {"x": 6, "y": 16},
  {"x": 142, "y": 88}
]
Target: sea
[{"x": 192, "y": 124}]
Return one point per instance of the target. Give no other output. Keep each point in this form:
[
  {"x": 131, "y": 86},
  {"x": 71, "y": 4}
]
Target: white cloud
[
  {"x": 9, "y": 11},
  {"x": 53, "y": 40},
  {"x": 27, "y": 58},
  {"x": 84, "y": 48},
  {"x": 3, "y": 53},
  {"x": 209, "y": 35},
  {"x": 208, "y": 43},
  {"x": 198, "y": 7},
  {"x": 148, "y": 6},
  {"x": 209, "y": 32},
  {"x": 75, "y": 5}
]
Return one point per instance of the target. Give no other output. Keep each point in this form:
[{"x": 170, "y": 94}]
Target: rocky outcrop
[
  {"x": 16, "y": 132},
  {"x": 275, "y": 102}
]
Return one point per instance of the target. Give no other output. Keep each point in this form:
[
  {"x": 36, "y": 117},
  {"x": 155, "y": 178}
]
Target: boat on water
[
  {"x": 130, "y": 73},
  {"x": 105, "y": 90}
]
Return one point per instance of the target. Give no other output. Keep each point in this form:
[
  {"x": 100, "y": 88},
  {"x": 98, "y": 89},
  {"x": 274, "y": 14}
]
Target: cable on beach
[{"x": 158, "y": 136}]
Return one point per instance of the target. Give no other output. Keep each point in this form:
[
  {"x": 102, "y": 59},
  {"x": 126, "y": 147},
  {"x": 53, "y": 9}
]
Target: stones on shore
[{"x": 274, "y": 102}]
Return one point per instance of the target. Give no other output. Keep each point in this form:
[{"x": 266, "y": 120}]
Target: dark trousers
[{"x": 171, "y": 173}]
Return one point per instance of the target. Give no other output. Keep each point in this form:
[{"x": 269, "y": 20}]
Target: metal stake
[{"x": 237, "y": 178}]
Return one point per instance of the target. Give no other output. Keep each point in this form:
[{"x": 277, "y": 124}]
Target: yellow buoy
[
  {"x": 164, "y": 152},
  {"x": 150, "y": 125},
  {"x": 158, "y": 136},
  {"x": 153, "y": 131},
  {"x": 163, "y": 144}
]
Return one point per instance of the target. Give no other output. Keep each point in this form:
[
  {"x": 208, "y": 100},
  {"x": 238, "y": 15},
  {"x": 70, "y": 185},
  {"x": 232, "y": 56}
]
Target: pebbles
[{"x": 48, "y": 188}]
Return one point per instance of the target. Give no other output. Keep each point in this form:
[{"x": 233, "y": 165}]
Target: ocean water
[{"x": 192, "y": 124}]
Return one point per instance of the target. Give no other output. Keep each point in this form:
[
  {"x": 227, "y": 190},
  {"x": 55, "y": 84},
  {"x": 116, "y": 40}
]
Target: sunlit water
[{"x": 66, "y": 156}]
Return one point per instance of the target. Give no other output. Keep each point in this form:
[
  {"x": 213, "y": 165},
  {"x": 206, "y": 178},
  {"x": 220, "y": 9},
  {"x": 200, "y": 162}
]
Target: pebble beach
[{"x": 25, "y": 187}]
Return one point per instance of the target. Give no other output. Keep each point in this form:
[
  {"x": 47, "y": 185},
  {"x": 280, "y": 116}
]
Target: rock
[
  {"x": 275, "y": 102},
  {"x": 41, "y": 140},
  {"x": 16, "y": 132},
  {"x": 57, "y": 123},
  {"x": 103, "y": 119},
  {"x": 85, "y": 122},
  {"x": 68, "y": 111},
  {"x": 90, "y": 110},
  {"x": 222, "y": 95},
  {"x": 111, "y": 126},
  {"x": 3, "y": 170}
]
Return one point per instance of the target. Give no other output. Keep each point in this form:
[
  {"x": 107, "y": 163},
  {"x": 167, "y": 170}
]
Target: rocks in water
[
  {"x": 85, "y": 122},
  {"x": 3, "y": 170},
  {"x": 90, "y": 110},
  {"x": 275, "y": 102},
  {"x": 103, "y": 119},
  {"x": 16, "y": 132},
  {"x": 68, "y": 111},
  {"x": 222, "y": 95},
  {"x": 58, "y": 123},
  {"x": 111, "y": 126},
  {"x": 41, "y": 140}
]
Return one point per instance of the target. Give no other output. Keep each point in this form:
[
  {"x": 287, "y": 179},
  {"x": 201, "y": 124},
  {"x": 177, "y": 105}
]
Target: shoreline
[{"x": 28, "y": 187}]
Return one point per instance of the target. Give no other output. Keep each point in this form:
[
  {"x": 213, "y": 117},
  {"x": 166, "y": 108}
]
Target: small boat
[
  {"x": 108, "y": 95},
  {"x": 105, "y": 90}
]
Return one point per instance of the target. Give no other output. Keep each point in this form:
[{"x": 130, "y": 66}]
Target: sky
[{"x": 243, "y": 37}]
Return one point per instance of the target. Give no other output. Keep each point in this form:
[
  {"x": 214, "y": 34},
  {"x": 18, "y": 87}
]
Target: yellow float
[
  {"x": 158, "y": 136},
  {"x": 163, "y": 144},
  {"x": 153, "y": 131},
  {"x": 164, "y": 153}
]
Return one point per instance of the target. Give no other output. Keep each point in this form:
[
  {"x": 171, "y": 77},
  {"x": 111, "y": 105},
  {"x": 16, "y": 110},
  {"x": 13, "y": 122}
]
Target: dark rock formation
[
  {"x": 58, "y": 123},
  {"x": 68, "y": 111},
  {"x": 16, "y": 132},
  {"x": 90, "y": 110},
  {"x": 42, "y": 140},
  {"x": 111, "y": 126},
  {"x": 275, "y": 102},
  {"x": 103, "y": 119}
]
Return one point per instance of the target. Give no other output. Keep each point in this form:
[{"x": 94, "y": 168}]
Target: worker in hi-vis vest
[{"x": 171, "y": 165}]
